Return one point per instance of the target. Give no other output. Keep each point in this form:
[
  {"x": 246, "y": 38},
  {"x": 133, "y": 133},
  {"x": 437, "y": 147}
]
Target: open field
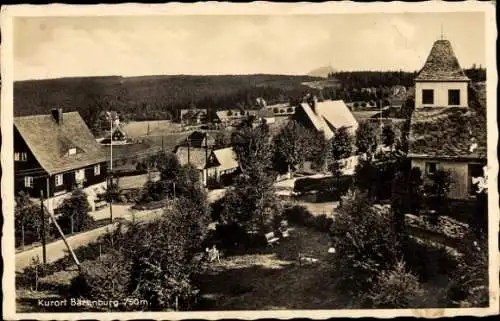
[{"x": 150, "y": 128}]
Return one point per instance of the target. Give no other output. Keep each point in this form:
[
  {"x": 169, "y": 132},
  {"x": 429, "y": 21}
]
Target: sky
[{"x": 54, "y": 47}]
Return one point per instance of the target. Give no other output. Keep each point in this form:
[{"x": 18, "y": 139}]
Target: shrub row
[
  {"x": 329, "y": 188},
  {"x": 301, "y": 216}
]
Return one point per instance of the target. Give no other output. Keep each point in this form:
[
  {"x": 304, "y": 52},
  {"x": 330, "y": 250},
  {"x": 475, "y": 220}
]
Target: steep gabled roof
[
  {"x": 49, "y": 141},
  {"x": 318, "y": 122},
  {"x": 330, "y": 115},
  {"x": 450, "y": 132},
  {"x": 227, "y": 158},
  {"x": 199, "y": 139},
  {"x": 197, "y": 156},
  {"x": 337, "y": 114},
  {"x": 441, "y": 64}
]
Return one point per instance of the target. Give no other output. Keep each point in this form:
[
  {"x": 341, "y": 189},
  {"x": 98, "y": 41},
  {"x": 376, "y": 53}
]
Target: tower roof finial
[{"x": 442, "y": 36}]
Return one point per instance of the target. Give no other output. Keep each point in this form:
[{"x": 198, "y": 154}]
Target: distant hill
[
  {"x": 321, "y": 72},
  {"x": 153, "y": 97}
]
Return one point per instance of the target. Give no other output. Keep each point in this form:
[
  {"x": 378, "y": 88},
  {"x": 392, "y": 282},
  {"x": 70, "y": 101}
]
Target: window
[
  {"x": 28, "y": 181},
  {"x": 20, "y": 157},
  {"x": 80, "y": 175},
  {"x": 474, "y": 171},
  {"x": 427, "y": 96},
  {"x": 430, "y": 168},
  {"x": 59, "y": 179},
  {"x": 454, "y": 97},
  {"x": 97, "y": 170},
  {"x": 72, "y": 151}
]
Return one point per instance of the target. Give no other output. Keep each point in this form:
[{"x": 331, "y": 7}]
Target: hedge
[
  {"x": 301, "y": 216},
  {"x": 308, "y": 184}
]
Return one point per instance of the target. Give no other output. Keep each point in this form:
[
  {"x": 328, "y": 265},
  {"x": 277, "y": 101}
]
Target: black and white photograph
[{"x": 208, "y": 160}]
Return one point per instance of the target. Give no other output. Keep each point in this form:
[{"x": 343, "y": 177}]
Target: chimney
[
  {"x": 313, "y": 102},
  {"x": 57, "y": 114}
]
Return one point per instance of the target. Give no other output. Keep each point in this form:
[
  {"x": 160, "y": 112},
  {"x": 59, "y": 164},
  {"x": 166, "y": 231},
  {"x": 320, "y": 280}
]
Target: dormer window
[
  {"x": 20, "y": 157},
  {"x": 72, "y": 151}
]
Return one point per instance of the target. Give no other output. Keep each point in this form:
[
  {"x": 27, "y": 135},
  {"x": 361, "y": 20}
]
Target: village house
[
  {"x": 326, "y": 116},
  {"x": 268, "y": 115},
  {"x": 448, "y": 126},
  {"x": 233, "y": 117},
  {"x": 199, "y": 139},
  {"x": 215, "y": 165},
  {"x": 193, "y": 116},
  {"x": 118, "y": 134},
  {"x": 55, "y": 153},
  {"x": 106, "y": 118}
]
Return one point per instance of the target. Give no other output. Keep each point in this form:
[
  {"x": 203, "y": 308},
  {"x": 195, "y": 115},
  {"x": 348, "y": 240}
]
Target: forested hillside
[
  {"x": 153, "y": 97},
  {"x": 364, "y": 79}
]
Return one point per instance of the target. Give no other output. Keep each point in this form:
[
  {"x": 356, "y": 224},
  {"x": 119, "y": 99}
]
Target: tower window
[
  {"x": 430, "y": 168},
  {"x": 428, "y": 96},
  {"x": 454, "y": 97}
]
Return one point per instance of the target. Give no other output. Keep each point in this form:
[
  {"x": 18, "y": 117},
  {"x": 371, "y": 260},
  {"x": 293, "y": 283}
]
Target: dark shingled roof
[
  {"x": 441, "y": 64},
  {"x": 451, "y": 132},
  {"x": 199, "y": 139},
  {"x": 197, "y": 156},
  {"x": 49, "y": 142}
]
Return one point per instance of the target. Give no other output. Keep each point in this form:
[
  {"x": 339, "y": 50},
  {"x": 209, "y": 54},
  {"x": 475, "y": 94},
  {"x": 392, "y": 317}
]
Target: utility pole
[
  {"x": 162, "y": 147},
  {"x": 44, "y": 241},
  {"x": 70, "y": 250},
  {"x": 189, "y": 147}
]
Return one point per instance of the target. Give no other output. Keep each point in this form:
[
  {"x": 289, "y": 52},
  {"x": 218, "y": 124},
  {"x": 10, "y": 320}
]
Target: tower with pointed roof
[{"x": 441, "y": 82}]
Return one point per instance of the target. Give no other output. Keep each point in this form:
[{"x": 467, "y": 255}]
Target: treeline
[
  {"x": 476, "y": 73},
  {"x": 364, "y": 79},
  {"x": 153, "y": 97}
]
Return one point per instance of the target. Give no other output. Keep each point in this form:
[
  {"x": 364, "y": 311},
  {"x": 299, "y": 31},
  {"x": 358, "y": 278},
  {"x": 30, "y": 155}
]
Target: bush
[
  {"x": 153, "y": 261},
  {"x": 297, "y": 214},
  {"x": 469, "y": 285},
  {"x": 364, "y": 241},
  {"x": 395, "y": 289},
  {"x": 75, "y": 213},
  {"x": 427, "y": 260},
  {"x": 102, "y": 279},
  {"x": 28, "y": 220},
  {"x": 301, "y": 216},
  {"x": 331, "y": 184}
]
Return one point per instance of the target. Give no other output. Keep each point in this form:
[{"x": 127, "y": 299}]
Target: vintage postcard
[{"x": 259, "y": 160}]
